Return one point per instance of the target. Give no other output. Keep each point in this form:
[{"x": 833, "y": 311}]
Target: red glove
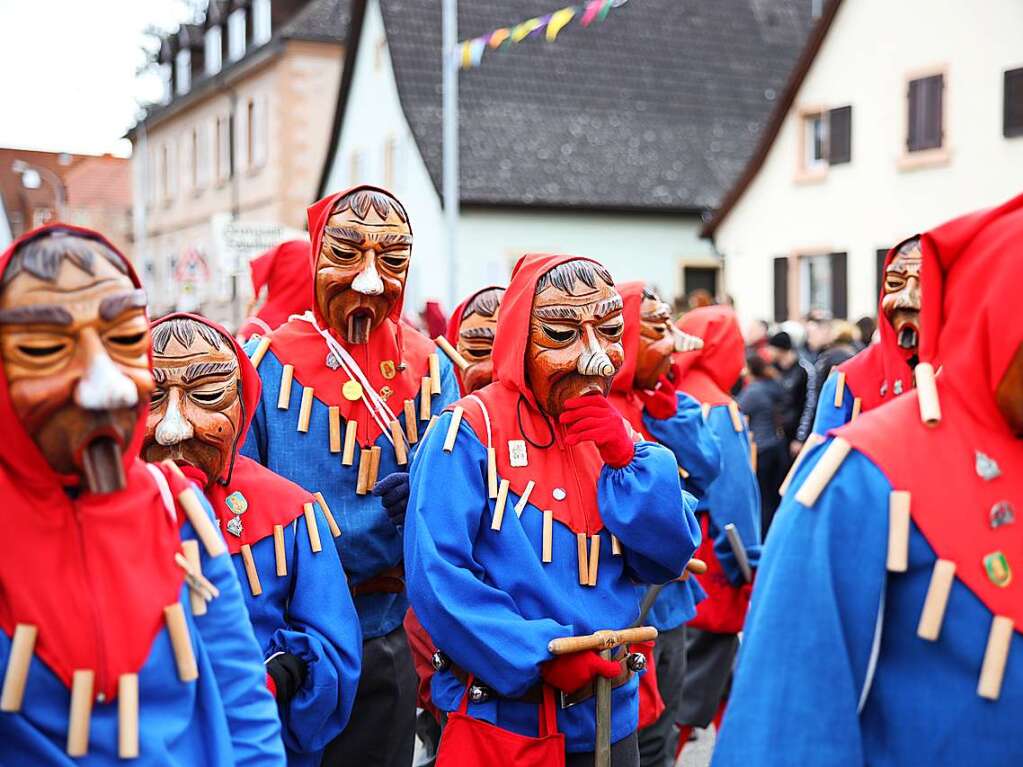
[
  {"x": 661, "y": 403},
  {"x": 592, "y": 418},
  {"x": 569, "y": 673}
]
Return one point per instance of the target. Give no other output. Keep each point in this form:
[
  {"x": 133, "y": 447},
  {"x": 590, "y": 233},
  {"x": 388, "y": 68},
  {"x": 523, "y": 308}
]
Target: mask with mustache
[
  {"x": 196, "y": 410},
  {"x": 575, "y": 335},
  {"x": 900, "y": 301},
  {"x": 476, "y": 331}
]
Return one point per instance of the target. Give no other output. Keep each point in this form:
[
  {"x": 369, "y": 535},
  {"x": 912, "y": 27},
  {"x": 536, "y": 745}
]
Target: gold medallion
[
  {"x": 388, "y": 369},
  {"x": 352, "y": 390}
]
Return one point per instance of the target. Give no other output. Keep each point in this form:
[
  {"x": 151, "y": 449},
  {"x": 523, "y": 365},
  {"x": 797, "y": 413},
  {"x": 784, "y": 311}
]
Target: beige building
[{"x": 227, "y": 165}]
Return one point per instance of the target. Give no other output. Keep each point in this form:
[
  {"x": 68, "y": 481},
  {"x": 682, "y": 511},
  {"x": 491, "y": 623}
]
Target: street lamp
[{"x": 32, "y": 177}]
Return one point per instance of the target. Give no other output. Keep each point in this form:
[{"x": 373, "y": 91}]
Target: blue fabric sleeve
[
  {"x": 734, "y": 497},
  {"x": 644, "y": 506},
  {"x": 322, "y": 628},
  {"x": 235, "y": 656},
  {"x": 442, "y": 573},
  {"x": 695, "y": 447},
  {"x": 818, "y": 597},
  {"x": 828, "y": 416}
]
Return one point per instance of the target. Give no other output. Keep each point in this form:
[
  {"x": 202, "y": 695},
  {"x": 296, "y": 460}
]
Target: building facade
[
  {"x": 553, "y": 159},
  {"x": 229, "y": 163},
  {"x": 898, "y": 117}
]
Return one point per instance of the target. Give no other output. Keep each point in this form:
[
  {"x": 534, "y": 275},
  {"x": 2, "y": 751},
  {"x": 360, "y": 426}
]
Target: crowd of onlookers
[{"x": 786, "y": 365}]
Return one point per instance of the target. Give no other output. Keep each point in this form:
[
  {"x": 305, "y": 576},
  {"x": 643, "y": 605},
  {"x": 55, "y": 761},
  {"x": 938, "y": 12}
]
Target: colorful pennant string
[{"x": 470, "y": 52}]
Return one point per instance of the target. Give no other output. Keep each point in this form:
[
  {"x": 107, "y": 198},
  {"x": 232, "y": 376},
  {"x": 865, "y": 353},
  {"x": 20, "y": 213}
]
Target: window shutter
[
  {"x": 840, "y": 135},
  {"x": 781, "y": 289},
  {"x": 925, "y": 113},
  {"x": 839, "y": 303},
  {"x": 882, "y": 255},
  {"x": 1013, "y": 106}
]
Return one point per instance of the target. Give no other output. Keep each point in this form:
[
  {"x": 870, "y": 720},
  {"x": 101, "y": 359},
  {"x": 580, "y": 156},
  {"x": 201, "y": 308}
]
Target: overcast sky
[{"x": 67, "y": 70}]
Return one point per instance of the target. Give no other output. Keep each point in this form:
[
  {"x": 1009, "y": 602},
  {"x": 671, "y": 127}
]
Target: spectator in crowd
[
  {"x": 763, "y": 400},
  {"x": 867, "y": 327},
  {"x": 799, "y": 382},
  {"x": 756, "y": 339},
  {"x": 841, "y": 348},
  {"x": 819, "y": 334}
]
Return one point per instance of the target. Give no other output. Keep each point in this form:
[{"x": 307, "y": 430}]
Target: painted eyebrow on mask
[
  {"x": 198, "y": 370},
  {"x": 45, "y": 314},
  {"x": 486, "y": 334},
  {"x": 356, "y": 238},
  {"x": 112, "y": 306}
]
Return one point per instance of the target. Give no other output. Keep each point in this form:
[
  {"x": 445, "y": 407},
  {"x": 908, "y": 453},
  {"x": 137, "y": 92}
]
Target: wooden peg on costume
[
  {"x": 80, "y": 714},
  {"x": 398, "y": 438},
  {"x": 811, "y": 442},
  {"x": 334, "y": 421},
  {"x": 335, "y": 531},
  {"x": 201, "y": 523},
  {"x": 491, "y": 472},
  {"x": 284, "y": 395},
  {"x": 22, "y": 646},
  {"x": 524, "y": 498},
  {"x": 822, "y": 473},
  {"x": 260, "y": 352},
  {"x": 311, "y": 527},
  {"x": 616, "y": 546},
  {"x": 456, "y": 419},
  {"x": 433, "y": 420},
  {"x": 584, "y": 567},
  {"x": 733, "y": 411},
  {"x": 996, "y": 655},
  {"x": 128, "y": 716},
  {"x": 502, "y": 501},
  {"x": 548, "y": 536},
  {"x": 250, "y": 570},
  {"x": 305, "y": 409},
  {"x": 452, "y": 352},
  {"x": 927, "y": 394},
  {"x": 181, "y": 642},
  {"x": 351, "y": 430},
  {"x": 839, "y": 388},
  {"x": 898, "y": 531},
  {"x": 196, "y": 599},
  {"x": 933, "y": 614},
  {"x": 705, "y": 410},
  {"x": 591, "y": 579},
  {"x": 857, "y": 406},
  {"x": 411, "y": 426},
  {"x": 374, "y": 466},
  {"x": 365, "y": 464},
  {"x": 434, "y": 373},
  {"x": 280, "y": 557}
]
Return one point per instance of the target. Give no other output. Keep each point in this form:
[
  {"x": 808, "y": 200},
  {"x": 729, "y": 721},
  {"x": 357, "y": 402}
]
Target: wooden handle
[
  {"x": 602, "y": 640},
  {"x": 696, "y": 566}
]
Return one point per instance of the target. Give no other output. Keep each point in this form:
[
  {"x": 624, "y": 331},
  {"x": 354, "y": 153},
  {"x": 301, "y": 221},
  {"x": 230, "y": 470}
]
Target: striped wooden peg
[
  {"x": 351, "y": 431},
  {"x": 334, "y": 422},
  {"x": 491, "y": 472},
  {"x": 260, "y": 351},
  {"x": 933, "y": 614},
  {"x": 411, "y": 425},
  {"x": 398, "y": 438},
  {"x": 18, "y": 661},
  {"x": 822, "y": 473},
  {"x": 524, "y": 498},
  {"x": 196, "y": 600},
  {"x": 584, "y": 567},
  {"x": 594, "y": 560},
  {"x": 181, "y": 642},
  {"x": 365, "y": 464},
  {"x": 733, "y": 411},
  {"x": 335, "y": 531},
  {"x": 451, "y": 352},
  {"x": 311, "y": 527},
  {"x": 499, "y": 506},
  {"x": 201, "y": 522},
  {"x": 898, "y": 531},
  {"x": 434, "y": 373},
  {"x": 250, "y": 570},
  {"x": 284, "y": 395},
  {"x": 306, "y": 409},
  {"x": 811, "y": 442},
  {"x": 857, "y": 406},
  {"x": 80, "y": 713},
  {"x": 374, "y": 467},
  {"x": 280, "y": 557},
  {"x": 456, "y": 419},
  {"x": 548, "y": 536},
  {"x": 996, "y": 655},
  {"x": 839, "y": 388},
  {"x": 425, "y": 407},
  {"x": 128, "y": 716}
]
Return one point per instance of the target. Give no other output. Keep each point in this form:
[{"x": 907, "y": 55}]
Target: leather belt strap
[{"x": 389, "y": 581}]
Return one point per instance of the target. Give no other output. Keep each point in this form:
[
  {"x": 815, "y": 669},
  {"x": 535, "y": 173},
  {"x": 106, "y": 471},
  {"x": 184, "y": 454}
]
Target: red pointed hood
[
  {"x": 286, "y": 273},
  {"x": 632, "y": 298},
  {"x": 971, "y": 272},
  {"x": 455, "y": 325},
  {"x": 708, "y": 374},
  {"x": 94, "y": 574},
  {"x": 272, "y": 500}
]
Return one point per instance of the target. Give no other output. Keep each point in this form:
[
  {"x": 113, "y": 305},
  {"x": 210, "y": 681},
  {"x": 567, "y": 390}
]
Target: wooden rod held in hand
[{"x": 601, "y": 640}]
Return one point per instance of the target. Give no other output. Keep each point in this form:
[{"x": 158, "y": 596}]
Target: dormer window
[
  {"x": 212, "y": 44},
  {"x": 182, "y": 71},
  {"x": 236, "y": 34},
  {"x": 260, "y": 22}
]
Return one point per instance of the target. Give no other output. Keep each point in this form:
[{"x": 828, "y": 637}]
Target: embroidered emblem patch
[
  {"x": 517, "y": 453},
  {"x": 998, "y": 570},
  {"x": 1002, "y": 513},
  {"x": 388, "y": 369},
  {"x": 987, "y": 467},
  {"x": 236, "y": 503}
]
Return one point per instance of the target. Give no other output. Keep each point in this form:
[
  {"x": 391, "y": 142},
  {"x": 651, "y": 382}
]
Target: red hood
[
  {"x": 708, "y": 374},
  {"x": 19, "y": 456},
  {"x": 971, "y": 273},
  {"x": 632, "y": 297},
  {"x": 288, "y": 278},
  {"x": 252, "y": 386},
  {"x": 455, "y": 324}
]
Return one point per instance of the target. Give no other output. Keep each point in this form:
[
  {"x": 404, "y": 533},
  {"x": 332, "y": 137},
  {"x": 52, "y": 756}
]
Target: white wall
[{"x": 873, "y": 202}]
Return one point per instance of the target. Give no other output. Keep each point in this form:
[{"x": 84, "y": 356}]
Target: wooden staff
[
  {"x": 181, "y": 642},
  {"x": 331, "y": 522},
  {"x": 260, "y": 352},
  {"x": 250, "y": 570},
  {"x": 305, "y": 409},
  {"x": 280, "y": 558},
  {"x": 284, "y": 395},
  {"x": 81, "y": 712},
  {"x": 452, "y": 352},
  {"x": 311, "y": 528},
  {"x": 22, "y": 646},
  {"x": 128, "y": 716}
]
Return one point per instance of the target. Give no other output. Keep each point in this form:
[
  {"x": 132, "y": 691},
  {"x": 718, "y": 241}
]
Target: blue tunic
[
  {"x": 832, "y": 671},
  {"x": 734, "y": 497},
  {"x": 308, "y": 613},
  {"x": 225, "y": 717},
  {"x": 369, "y": 543},
  {"x": 828, "y": 416},
  {"x": 491, "y": 604},
  {"x": 698, "y": 451}
]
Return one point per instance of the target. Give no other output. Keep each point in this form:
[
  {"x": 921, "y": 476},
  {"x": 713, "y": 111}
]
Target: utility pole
[{"x": 450, "y": 66}]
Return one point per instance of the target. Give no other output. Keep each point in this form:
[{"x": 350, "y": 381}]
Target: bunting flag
[{"x": 470, "y": 52}]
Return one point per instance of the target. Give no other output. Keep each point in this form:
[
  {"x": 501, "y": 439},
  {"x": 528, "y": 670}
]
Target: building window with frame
[
  {"x": 213, "y": 49},
  {"x": 823, "y": 284},
  {"x": 259, "y": 130},
  {"x": 182, "y": 71},
  {"x": 202, "y": 156},
  {"x": 224, "y": 148},
  {"x": 236, "y": 34},
  {"x": 925, "y": 118},
  {"x": 1012, "y": 121},
  {"x": 260, "y": 22},
  {"x": 815, "y": 141},
  {"x": 827, "y": 138}
]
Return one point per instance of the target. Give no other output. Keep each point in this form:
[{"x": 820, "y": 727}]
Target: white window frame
[
  {"x": 236, "y": 34},
  {"x": 213, "y": 49},
  {"x": 812, "y": 122},
  {"x": 261, "y": 22},
  {"x": 183, "y": 71},
  {"x": 808, "y": 264}
]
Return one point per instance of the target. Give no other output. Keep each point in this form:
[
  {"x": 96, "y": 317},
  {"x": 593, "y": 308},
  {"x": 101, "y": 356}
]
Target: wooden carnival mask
[
  {"x": 75, "y": 346},
  {"x": 476, "y": 338},
  {"x": 196, "y": 411},
  {"x": 362, "y": 263},
  {"x": 656, "y": 341},
  {"x": 575, "y": 335},
  {"x": 901, "y": 299}
]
